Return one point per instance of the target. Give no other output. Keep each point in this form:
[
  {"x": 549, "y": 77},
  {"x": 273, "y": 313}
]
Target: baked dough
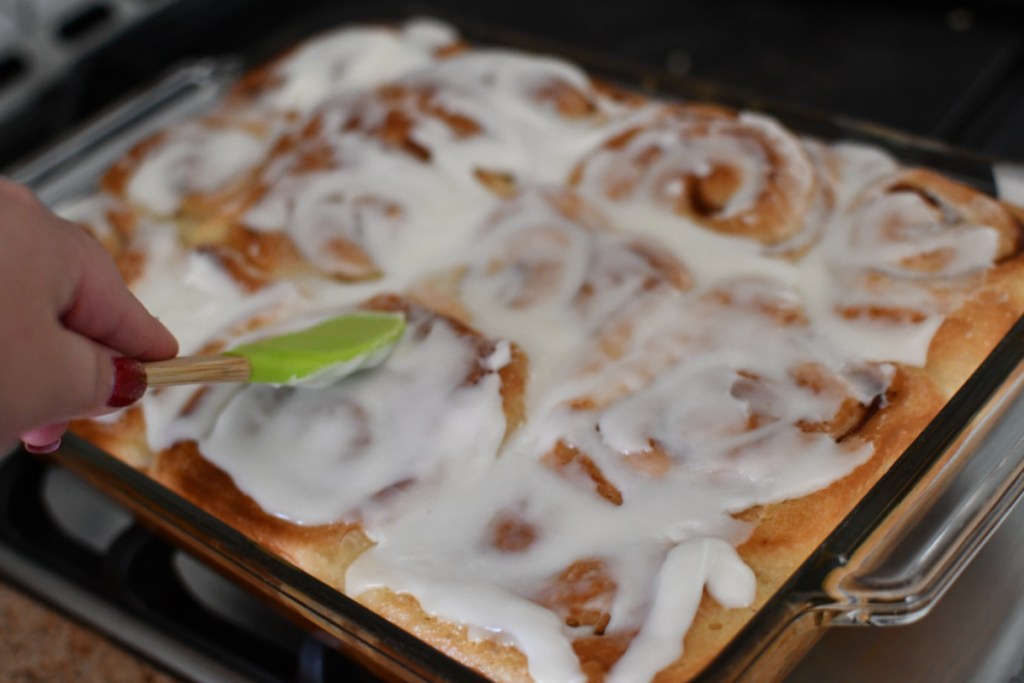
[{"x": 656, "y": 351}]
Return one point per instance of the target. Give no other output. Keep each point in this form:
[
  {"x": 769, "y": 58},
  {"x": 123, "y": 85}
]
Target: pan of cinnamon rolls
[{"x": 656, "y": 352}]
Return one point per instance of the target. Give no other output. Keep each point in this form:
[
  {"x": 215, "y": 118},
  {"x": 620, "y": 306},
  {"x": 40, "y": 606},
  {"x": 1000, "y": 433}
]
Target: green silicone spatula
[{"x": 315, "y": 356}]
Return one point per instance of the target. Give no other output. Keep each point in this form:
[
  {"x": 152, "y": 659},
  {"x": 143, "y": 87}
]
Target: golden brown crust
[
  {"x": 325, "y": 551},
  {"x": 125, "y": 437},
  {"x": 495, "y": 660}
]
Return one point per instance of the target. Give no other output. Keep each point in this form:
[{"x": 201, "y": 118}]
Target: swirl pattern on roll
[{"x": 737, "y": 174}]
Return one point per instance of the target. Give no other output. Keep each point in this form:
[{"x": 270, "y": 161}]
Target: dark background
[{"x": 951, "y": 71}]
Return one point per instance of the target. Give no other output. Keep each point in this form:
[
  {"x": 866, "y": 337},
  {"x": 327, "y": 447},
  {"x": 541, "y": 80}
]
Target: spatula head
[{"x": 324, "y": 352}]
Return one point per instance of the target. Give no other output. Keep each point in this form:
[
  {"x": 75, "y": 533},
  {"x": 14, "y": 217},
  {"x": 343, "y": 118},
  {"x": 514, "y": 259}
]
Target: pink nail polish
[
  {"x": 44, "y": 449},
  {"x": 129, "y": 382}
]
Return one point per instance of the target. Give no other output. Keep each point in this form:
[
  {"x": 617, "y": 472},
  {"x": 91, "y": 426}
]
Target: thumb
[
  {"x": 71, "y": 376},
  {"x": 74, "y": 377}
]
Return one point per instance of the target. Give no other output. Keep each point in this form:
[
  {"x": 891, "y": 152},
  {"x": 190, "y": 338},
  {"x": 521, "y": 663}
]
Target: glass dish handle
[{"x": 914, "y": 554}]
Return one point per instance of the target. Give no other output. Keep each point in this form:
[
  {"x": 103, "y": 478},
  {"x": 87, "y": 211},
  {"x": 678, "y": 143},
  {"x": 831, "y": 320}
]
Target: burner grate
[
  {"x": 44, "y": 38},
  {"x": 75, "y": 548}
]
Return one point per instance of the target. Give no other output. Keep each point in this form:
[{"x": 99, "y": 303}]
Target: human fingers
[
  {"x": 66, "y": 314},
  {"x": 99, "y": 305},
  {"x": 66, "y": 376}
]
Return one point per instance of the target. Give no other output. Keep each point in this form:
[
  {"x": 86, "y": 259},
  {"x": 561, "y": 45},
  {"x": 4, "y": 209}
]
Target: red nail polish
[{"x": 129, "y": 382}]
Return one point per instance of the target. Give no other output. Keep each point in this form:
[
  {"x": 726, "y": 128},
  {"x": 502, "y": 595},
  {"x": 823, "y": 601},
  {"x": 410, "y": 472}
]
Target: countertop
[{"x": 39, "y": 644}]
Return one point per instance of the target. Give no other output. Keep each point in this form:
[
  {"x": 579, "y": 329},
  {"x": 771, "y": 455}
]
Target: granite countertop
[{"x": 40, "y": 644}]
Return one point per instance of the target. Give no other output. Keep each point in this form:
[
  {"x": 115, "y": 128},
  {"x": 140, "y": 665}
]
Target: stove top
[
  {"x": 952, "y": 71},
  {"x": 67, "y": 543}
]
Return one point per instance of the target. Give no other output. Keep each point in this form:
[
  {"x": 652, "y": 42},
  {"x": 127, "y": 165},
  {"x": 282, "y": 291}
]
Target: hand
[{"x": 65, "y": 313}]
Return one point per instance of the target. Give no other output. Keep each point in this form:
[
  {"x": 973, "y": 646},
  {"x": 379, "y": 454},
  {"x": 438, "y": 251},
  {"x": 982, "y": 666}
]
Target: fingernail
[
  {"x": 129, "y": 382},
  {"x": 44, "y": 449}
]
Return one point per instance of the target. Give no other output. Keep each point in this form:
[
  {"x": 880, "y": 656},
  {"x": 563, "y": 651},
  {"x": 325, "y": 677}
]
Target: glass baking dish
[{"x": 887, "y": 563}]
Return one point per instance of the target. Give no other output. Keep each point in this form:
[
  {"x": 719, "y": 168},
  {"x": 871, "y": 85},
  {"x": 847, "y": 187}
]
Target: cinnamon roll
[
  {"x": 301, "y": 78},
  {"x": 737, "y": 174},
  {"x": 549, "y": 271},
  {"x": 347, "y": 427},
  {"x": 908, "y": 251}
]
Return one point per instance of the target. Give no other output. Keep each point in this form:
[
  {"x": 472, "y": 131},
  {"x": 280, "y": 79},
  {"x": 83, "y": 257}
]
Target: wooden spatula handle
[{"x": 197, "y": 370}]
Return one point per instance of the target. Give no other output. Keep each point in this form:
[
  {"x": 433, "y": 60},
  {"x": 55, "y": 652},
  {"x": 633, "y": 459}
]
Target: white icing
[
  {"x": 684, "y": 364},
  {"x": 90, "y": 211},
  {"x": 342, "y": 442},
  {"x": 196, "y": 157},
  {"x": 486, "y": 607},
  {"x": 689, "y": 566},
  {"x": 205, "y": 301},
  {"x": 353, "y": 58}
]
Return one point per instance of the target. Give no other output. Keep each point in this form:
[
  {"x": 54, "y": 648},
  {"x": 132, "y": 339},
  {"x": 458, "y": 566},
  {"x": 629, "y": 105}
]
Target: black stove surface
[
  {"x": 52, "y": 519},
  {"x": 953, "y": 71}
]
